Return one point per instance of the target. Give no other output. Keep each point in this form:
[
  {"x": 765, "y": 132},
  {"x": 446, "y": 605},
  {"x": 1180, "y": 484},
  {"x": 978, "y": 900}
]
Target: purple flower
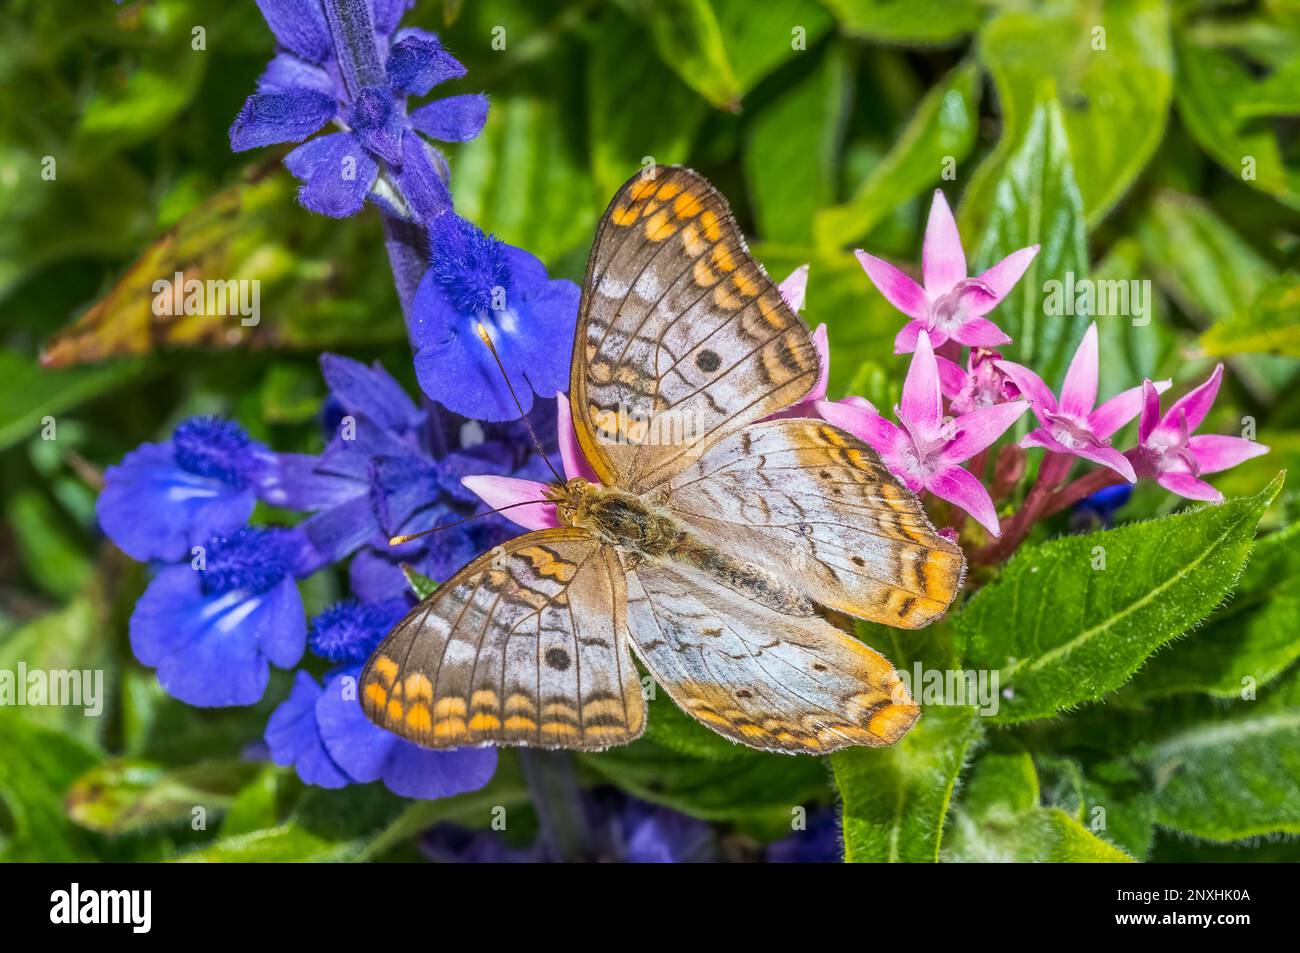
[
  {"x": 212, "y": 627},
  {"x": 163, "y": 499},
  {"x": 306, "y": 86},
  {"x": 474, "y": 282},
  {"x": 329, "y": 741},
  {"x": 1071, "y": 425},
  {"x": 950, "y": 305},
  {"x": 925, "y": 451},
  {"x": 819, "y": 843},
  {"x": 391, "y": 468},
  {"x": 1168, "y": 453}
]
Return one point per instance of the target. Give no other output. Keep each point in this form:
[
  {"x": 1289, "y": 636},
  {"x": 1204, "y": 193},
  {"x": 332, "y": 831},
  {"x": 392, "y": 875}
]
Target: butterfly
[{"x": 713, "y": 555}]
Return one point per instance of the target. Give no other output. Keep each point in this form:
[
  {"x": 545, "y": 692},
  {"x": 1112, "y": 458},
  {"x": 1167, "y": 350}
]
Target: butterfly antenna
[
  {"x": 483, "y": 333},
  {"x": 406, "y": 538}
]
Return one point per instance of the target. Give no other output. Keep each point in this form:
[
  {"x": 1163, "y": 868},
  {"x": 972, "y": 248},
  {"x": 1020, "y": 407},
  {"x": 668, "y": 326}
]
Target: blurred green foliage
[{"x": 1149, "y": 711}]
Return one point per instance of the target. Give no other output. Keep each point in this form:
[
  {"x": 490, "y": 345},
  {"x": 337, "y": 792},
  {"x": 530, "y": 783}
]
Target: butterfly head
[{"x": 618, "y": 518}]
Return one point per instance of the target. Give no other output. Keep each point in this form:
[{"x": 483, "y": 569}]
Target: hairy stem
[{"x": 1015, "y": 528}]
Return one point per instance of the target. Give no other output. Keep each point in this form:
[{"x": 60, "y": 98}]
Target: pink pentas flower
[
  {"x": 1074, "y": 425},
  {"x": 950, "y": 305},
  {"x": 793, "y": 290},
  {"x": 1169, "y": 454},
  {"x": 499, "y": 491},
  {"x": 981, "y": 384},
  {"x": 925, "y": 452}
]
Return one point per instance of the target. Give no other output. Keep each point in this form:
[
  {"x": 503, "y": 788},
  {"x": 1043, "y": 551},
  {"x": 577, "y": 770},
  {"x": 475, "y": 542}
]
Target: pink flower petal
[
  {"x": 1122, "y": 408},
  {"x": 952, "y": 378},
  {"x": 1186, "y": 485},
  {"x": 571, "y": 456},
  {"x": 905, "y": 339},
  {"x": 822, "y": 344},
  {"x": 1215, "y": 452},
  {"x": 943, "y": 263},
  {"x": 961, "y": 489},
  {"x": 499, "y": 491},
  {"x": 1150, "y": 418},
  {"x": 899, "y": 290},
  {"x": 1107, "y": 457},
  {"x": 795, "y": 288},
  {"x": 979, "y": 428},
  {"x": 1196, "y": 403},
  {"x": 1031, "y": 386},
  {"x": 865, "y": 424},
  {"x": 1002, "y": 277},
  {"x": 980, "y": 332},
  {"x": 922, "y": 405},
  {"x": 1042, "y": 439},
  {"x": 854, "y": 401},
  {"x": 1079, "y": 392}
]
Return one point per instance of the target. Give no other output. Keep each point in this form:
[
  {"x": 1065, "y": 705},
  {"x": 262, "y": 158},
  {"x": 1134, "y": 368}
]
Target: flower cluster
[
  {"x": 953, "y": 411},
  {"x": 223, "y": 604}
]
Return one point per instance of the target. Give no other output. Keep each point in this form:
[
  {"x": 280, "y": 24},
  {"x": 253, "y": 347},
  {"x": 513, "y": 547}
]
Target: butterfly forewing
[
  {"x": 768, "y": 679},
  {"x": 810, "y": 501},
  {"x": 682, "y": 337},
  {"x": 526, "y": 645}
]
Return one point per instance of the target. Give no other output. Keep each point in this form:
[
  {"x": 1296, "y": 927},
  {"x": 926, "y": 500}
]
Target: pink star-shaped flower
[
  {"x": 1168, "y": 453},
  {"x": 925, "y": 451},
  {"x": 951, "y": 305},
  {"x": 1071, "y": 425}
]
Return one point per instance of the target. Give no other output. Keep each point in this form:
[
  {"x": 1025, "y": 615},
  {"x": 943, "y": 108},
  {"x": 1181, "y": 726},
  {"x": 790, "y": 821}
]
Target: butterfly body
[{"x": 715, "y": 555}]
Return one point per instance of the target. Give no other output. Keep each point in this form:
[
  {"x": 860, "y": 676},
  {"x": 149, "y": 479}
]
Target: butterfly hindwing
[
  {"x": 768, "y": 679},
  {"x": 681, "y": 335},
  {"x": 802, "y": 495},
  {"x": 525, "y": 645}
]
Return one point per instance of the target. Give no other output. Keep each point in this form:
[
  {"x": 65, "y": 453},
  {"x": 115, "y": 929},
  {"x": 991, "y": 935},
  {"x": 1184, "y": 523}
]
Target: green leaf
[
  {"x": 921, "y": 22},
  {"x": 792, "y": 153},
  {"x": 1060, "y": 632},
  {"x": 1269, "y": 324},
  {"x": 1136, "y": 345},
  {"x": 530, "y": 147},
  {"x": 1205, "y": 266},
  {"x": 895, "y": 799},
  {"x": 1000, "y": 819},
  {"x": 38, "y": 767},
  {"x": 30, "y": 393},
  {"x": 689, "y": 39},
  {"x": 420, "y": 584},
  {"x": 1276, "y": 95},
  {"x": 1248, "y": 642},
  {"x": 1110, "y": 799},
  {"x": 943, "y": 127},
  {"x": 287, "y": 842},
  {"x": 639, "y": 108},
  {"x": 1213, "y": 89},
  {"x": 126, "y": 795},
  {"x": 1115, "y": 99},
  {"x": 1227, "y": 780},
  {"x": 720, "y": 48},
  {"x": 75, "y": 639},
  {"x": 1036, "y": 202},
  {"x": 262, "y": 802}
]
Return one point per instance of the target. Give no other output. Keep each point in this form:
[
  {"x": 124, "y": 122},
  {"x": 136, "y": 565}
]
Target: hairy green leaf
[
  {"x": 1246, "y": 643},
  {"x": 999, "y": 818},
  {"x": 1059, "y": 630},
  {"x": 895, "y": 799},
  {"x": 1227, "y": 780}
]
